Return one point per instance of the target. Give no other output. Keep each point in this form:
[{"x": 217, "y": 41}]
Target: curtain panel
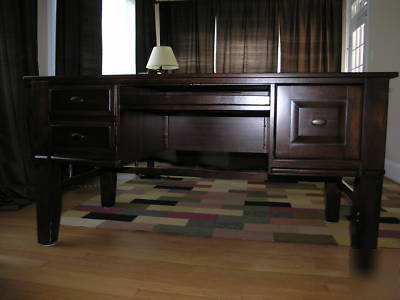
[
  {"x": 145, "y": 33},
  {"x": 18, "y": 57},
  {"x": 188, "y": 27},
  {"x": 311, "y": 35},
  {"x": 247, "y": 36},
  {"x": 79, "y": 40}
]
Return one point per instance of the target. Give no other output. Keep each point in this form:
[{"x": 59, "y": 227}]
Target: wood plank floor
[{"x": 90, "y": 263}]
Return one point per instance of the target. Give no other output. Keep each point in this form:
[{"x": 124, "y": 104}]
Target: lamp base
[
  {"x": 158, "y": 71},
  {"x": 161, "y": 71}
]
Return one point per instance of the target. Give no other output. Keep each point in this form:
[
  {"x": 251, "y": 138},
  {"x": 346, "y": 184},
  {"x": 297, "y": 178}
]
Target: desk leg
[
  {"x": 332, "y": 202},
  {"x": 48, "y": 202},
  {"x": 365, "y": 218},
  {"x": 150, "y": 163},
  {"x": 108, "y": 186}
]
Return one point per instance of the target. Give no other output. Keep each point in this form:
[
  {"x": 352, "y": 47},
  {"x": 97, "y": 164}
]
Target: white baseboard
[{"x": 392, "y": 170}]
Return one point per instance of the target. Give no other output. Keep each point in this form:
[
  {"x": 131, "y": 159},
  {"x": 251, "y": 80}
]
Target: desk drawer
[
  {"x": 175, "y": 97},
  {"x": 83, "y": 138},
  {"x": 87, "y": 100},
  {"x": 218, "y": 133},
  {"x": 318, "y": 122}
]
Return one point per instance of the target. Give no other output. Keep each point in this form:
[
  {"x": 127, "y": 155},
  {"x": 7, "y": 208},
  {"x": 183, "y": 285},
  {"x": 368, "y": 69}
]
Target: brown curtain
[
  {"x": 18, "y": 58},
  {"x": 247, "y": 36},
  {"x": 145, "y": 33},
  {"x": 188, "y": 27},
  {"x": 79, "y": 39},
  {"x": 311, "y": 35}
]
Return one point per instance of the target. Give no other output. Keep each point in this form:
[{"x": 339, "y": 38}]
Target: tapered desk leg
[
  {"x": 365, "y": 218},
  {"x": 150, "y": 163},
  {"x": 48, "y": 202},
  {"x": 332, "y": 202},
  {"x": 108, "y": 186}
]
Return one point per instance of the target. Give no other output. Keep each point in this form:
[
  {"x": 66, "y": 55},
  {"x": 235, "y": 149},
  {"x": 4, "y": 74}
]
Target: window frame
[{"x": 353, "y": 22}]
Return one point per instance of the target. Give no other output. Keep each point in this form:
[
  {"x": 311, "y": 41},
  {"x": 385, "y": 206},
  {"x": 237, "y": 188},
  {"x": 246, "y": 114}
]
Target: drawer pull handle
[
  {"x": 318, "y": 122},
  {"x": 76, "y": 99},
  {"x": 77, "y": 136}
]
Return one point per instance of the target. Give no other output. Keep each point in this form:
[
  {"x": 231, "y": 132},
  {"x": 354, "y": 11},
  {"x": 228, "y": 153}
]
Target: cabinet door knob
[
  {"x": 76, "y": 99},
  {"x": 318, "y": 122},
  {"x": 77, "y": 136}
]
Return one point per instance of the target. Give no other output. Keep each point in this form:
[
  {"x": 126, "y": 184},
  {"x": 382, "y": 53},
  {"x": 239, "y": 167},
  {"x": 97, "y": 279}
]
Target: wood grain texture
[
  {"x": 48, "y": 198},
  {"x": 322, "y": 123},
  {"x": 84, "y": 139},
  {"x": 217, "y": 133},
  {"x": 374, "y": 123},
  {"x": 332, "y": 201},
  {"x": 112, "y": 264},
  {"x": 151, "y": 171},
  {"x": 108, "y": 187},
  {"x": 338, "y": 106},
  {"x": 84, "y": 100},
  {"x": 139, "y": 135}
]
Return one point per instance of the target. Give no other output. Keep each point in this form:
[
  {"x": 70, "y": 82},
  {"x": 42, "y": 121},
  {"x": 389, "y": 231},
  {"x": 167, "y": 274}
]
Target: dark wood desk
[{"x": 315, "y": 126}]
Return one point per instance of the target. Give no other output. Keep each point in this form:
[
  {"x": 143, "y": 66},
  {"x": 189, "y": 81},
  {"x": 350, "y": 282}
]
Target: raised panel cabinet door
[{"x": 318, "y": 122}]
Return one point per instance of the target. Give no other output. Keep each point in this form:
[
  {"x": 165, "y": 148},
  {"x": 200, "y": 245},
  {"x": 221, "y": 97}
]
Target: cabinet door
[{"x": 318, "y": 122}]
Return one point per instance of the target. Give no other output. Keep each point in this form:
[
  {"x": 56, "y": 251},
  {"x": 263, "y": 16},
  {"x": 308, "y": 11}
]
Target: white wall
[
  {"x": 384, "y": 55},
  {"x": 46, "y": 36}
]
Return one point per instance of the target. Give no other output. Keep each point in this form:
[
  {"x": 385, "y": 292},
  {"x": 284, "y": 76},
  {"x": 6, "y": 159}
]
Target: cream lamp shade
[{"x": 162, "y": 58}]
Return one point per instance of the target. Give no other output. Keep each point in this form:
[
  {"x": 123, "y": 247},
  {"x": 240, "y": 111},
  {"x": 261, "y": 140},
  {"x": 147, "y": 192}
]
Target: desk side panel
[
  {"x": 141, "y": 135},
  {"x": 374, "y": 123}
]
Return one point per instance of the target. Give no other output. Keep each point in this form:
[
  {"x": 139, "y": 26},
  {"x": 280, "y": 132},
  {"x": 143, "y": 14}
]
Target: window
[
  {"x": 118, "y": 31},
  {"x": 357, "y": 28}
]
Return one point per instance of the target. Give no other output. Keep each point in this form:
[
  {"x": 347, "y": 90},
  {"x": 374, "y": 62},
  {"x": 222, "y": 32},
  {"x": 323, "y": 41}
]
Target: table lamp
[{"x": 162, "y": 58}]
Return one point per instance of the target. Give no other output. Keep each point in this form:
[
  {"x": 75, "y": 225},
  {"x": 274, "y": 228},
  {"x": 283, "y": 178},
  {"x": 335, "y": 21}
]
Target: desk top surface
[{"x": 265, "y": 77}]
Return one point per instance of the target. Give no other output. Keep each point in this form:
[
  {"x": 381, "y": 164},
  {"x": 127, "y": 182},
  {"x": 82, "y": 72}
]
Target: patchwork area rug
[{"x": 236, "y": 209}]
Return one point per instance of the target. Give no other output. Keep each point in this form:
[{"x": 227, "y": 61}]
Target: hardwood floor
[{"x": 91, "y": 263}]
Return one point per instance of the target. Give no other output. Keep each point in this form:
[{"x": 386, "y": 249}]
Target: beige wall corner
[{"x": 384, "y": 55}]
